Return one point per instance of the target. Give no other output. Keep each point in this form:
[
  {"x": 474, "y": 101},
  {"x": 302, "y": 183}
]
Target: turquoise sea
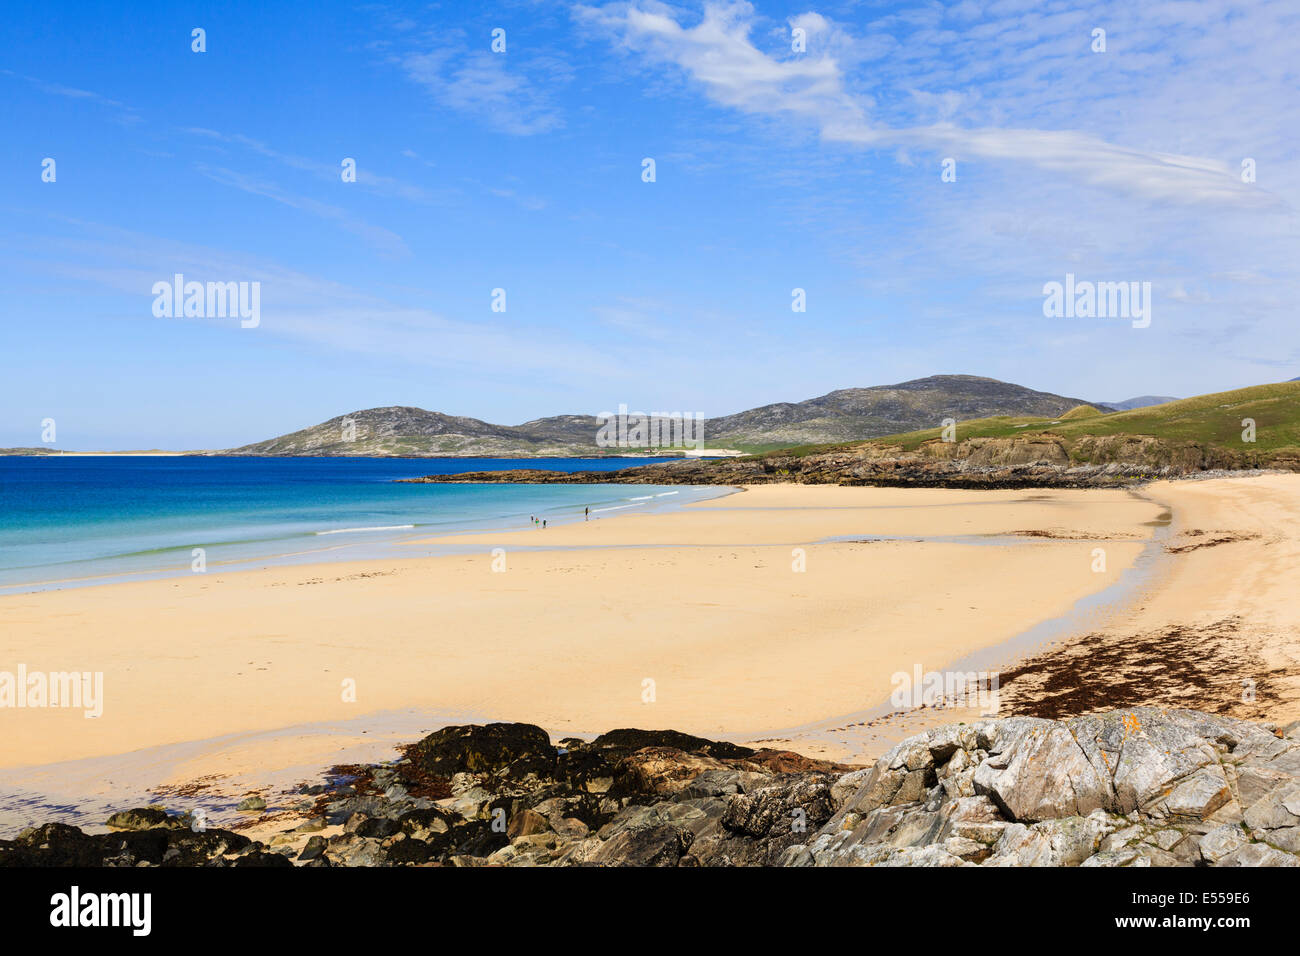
[{"x": 67, "y": 521}]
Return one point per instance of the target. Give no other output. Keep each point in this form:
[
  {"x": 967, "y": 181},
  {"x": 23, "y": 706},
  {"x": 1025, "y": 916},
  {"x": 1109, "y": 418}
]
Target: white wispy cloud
[
  {"x": 383, "y": 240},
  {"x": 302, "y": 307},
  {"x": 719, "y": 54},
  {"x": 508, "y": 93},
  {"x": 119, "y": 111},
  {"x": 380, "y": 185}
]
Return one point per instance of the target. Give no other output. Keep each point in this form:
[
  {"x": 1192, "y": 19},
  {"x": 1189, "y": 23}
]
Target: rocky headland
[
  {"x": 1144, "y": 787},
  {"x": 1032, "y": 461}
]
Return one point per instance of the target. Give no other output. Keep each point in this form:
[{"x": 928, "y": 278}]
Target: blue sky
[{"x": 522, "y": 170}]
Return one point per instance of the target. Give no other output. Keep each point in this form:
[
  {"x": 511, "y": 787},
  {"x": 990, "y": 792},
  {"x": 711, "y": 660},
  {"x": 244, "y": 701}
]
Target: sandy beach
[{"x": 773, "y": 616}]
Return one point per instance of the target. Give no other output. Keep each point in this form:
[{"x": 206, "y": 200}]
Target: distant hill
[
  {"x": 1244, "y": 429},
  {"x": 402, "y": 430},
  {"x": 1142, "y": 401},
  {"x": 844, "y": 415},
  {"x": 856, "y": 413}
]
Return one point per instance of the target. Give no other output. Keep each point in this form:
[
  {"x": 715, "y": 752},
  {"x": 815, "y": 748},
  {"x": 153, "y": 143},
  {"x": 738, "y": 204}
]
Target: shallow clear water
[{"x": 68, "y": 520}]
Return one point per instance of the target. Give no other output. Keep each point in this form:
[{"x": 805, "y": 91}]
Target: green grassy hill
[{"x": 1213, "y": 420}]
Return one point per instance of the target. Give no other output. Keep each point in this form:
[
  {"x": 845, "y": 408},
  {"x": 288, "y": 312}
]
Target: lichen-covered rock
[
  {"x": 1275, "y": 817},
  {"x": 1037, "y": 771},
  {"x": 1147, "y": 787},
  {"x": 1137, "y": 788},
  {"x": 1220, "y": 842},
  {"x": 1060, "y": 842},
  {"x": 1138, "y": 755},
  {"x": 903, "y": 775},
  {"x": 1200, "y": 794},
  {"x": 1259, "y": 854}
]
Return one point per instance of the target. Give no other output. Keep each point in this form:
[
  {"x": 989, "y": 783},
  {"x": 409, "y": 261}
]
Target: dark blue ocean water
[{"x": 67, "y": 520}]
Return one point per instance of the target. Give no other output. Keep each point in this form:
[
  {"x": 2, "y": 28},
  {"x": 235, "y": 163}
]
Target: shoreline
[
  {"x": 370, "y": 549},
  {"x": 644, "y": 540},
  {"x": 303, "y": 757}
]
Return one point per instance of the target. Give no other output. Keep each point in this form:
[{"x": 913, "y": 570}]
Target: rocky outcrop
[
  {"x": 1146, "y": 787},
  {"x": 1042, "y": 460}
]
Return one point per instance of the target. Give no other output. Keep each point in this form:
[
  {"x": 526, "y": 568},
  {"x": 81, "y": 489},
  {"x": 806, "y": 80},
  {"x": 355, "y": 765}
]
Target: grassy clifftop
[{"x": 1214, "y": 421}]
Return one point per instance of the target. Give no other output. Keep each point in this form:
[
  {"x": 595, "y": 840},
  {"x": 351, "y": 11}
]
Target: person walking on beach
[
  {"x": 543, "y": 523},
  {"x": 586, "y": 513}
]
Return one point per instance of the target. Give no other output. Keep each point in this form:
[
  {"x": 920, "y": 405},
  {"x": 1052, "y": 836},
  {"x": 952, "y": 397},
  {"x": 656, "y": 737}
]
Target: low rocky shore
[
  {"x": 1146, "y": 787},
  {"x": 1038, "y": 462}
]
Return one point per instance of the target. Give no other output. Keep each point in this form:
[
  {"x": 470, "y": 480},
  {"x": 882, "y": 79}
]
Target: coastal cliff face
[
  {"x": 1037, "y": 461},
  {"x": 1146, "y": 787}
]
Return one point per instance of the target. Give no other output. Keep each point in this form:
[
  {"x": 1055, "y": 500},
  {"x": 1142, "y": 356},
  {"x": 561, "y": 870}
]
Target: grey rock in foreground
[{"x": 1146, "y": 787}]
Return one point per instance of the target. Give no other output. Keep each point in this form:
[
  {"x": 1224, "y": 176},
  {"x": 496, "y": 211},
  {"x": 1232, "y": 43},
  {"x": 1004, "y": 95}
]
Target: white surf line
[
  {"x": 665, "y": 494},
  {"x": 391, "y": 527},
  {"x": 641, "y": 498},
  {"x": 614, "y": 508}
]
